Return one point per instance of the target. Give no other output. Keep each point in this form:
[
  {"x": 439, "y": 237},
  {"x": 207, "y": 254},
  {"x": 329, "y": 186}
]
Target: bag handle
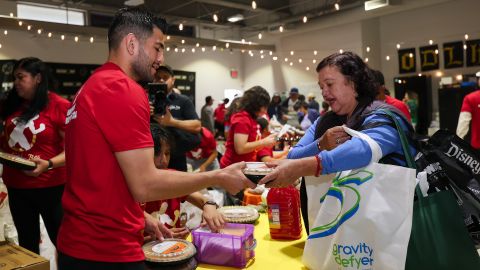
[
  {"x": 405, "y": 147},
  {"x": 376, "y": 150}
]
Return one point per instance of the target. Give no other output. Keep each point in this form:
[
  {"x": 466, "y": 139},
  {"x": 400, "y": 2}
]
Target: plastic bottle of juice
[{"x": 284, "y": 213}]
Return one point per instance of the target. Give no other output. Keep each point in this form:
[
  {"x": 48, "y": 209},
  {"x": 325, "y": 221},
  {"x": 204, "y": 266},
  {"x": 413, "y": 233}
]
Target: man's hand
[
  {"x": 164, "y": 120},
  {"x": 155, "y": 229},
  {"x": 181, "y": 233},
  {"x": 287, "y": 171},
  {"x": 232, "y": 178},
  {"x": 211, "y": 217},
  {"x": 42, "y": 166}
]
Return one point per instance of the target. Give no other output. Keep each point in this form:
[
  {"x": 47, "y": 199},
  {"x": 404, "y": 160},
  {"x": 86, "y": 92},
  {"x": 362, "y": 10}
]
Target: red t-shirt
[
  {"x": 219, "y": 113},
  {"x": 102, "y": 221},
  {"x": 206, "y": 147},
  {"x": 167, "y": 210},
  {"x": 242, "y": 123},
  {"x": 40, "y": 137},
  {"x": 471, "y": 104},
  {"x": 399, "y": 105}
]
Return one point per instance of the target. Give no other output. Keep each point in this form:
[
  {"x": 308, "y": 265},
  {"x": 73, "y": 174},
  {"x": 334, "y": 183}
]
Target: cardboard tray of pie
[
  {"x": 239, "y": 214},
  {"x": 168, "y": 252},
  {"x": 16, "y": 162}
]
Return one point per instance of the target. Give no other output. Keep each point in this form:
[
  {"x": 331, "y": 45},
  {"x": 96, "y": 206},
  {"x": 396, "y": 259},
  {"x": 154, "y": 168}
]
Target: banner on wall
[
  {"x": 473, "y": 53},
  {"x": 429, "y": 58},
  {"x": 453, "y": 54},
  {"x": 407, "y": 60}
]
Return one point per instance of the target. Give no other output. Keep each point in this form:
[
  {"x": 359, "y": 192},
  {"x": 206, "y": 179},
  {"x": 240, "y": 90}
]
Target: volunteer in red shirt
[
  {"x": 109, "y": 152},
  {"x": 244, "y": 137},
  {"x": 219, "y": 115},
  {"x": 204, "y": 157},
  {"x": 34, "y": 130},
  {"x": 469, "y": 118},
  {"x": 383, "y": 96}
]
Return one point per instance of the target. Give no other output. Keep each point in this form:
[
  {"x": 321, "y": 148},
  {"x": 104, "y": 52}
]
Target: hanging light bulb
[
  {"x": 430, "y": 42},
  {"x": 465, "y": 46},
  {"x": 300, "y": 60},
  {"x": 50, "y": 34},
  {"x": 168, "y": 49},
  {"x": 227, "y": 45},
  {"x": 62, "y": 37},
  {"x": 341, "y": 51},
  {"x": 11, "y": 14},
  {"x": 214, "y": 48},
  {"x": 243, "y": 41},
  {"x": 292, "y": 52},
  {"x": 0, "y": 45},
  {"x": 29, "y": 27},
  {"x": 261, "y": 51},
  {"x": 275, "y": 58},
  {"x": 254, "y": 5},
  {"x": 466, "y": 36},
  {"x": 259, "y": 35},
  {"x": 168, "y": 37},
  {"x": 436, "y": 51},
  {"x": 387, "y": 57},
  {"x": 261, "y": 56},
  {"x": 291, "y": 63},
  {"x": 366, "y": 60},
  {"x": 39, "y": 31},
  {"x": 176, "y": 50},
  {"x": 305, "y": 19},
  {"x": 315, "y": 52},
  {"x": 91, "y": 40},
  {"x": 286, "y": 59},
  {"x": 368, "y": 49},
  {"x": 197, "y": 45},
  {"x": 249, "y": 43},
  {"x": 183, "y": 41},
  {"x": 215, "y": 18},
  {"x": 270, "y": 52},
  {"x": 193, "y": 50},
  {"x": 398, "y": 46},
  {"x": 20, "y": 23},
  {"x": 307, "y": 68},
  {"x": 337, "y": 6},
  {"x": 76, "y": 39},
  {"x": 419, "y": 74},
  {"x": 314, "y": 61},
  {"x": 411, "y": 55},
  {"x": 280, "y": 28},
  {"x": 180, "y": 27},
  {"x": 183, "y": 50},
  {"x": 5, "y": 32},
  {"x": 203, "y": 49}
]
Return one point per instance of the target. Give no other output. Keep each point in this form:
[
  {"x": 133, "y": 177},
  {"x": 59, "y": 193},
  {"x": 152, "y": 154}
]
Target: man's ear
[{"x": 131, "y": 43}]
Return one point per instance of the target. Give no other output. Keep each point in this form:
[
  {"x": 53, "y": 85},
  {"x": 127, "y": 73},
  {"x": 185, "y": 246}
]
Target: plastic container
[
  {"x": 224, "y": 248},
  {"x": 284, "y": 216}
]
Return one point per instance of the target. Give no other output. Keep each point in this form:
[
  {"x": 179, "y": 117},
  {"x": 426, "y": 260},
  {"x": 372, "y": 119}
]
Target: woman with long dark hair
[
  {"x": 34, "y": 124},
  {"x": 244, "y": 137}
]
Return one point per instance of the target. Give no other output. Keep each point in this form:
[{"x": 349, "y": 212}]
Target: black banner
[
  {"x": 429, "y": 58},
  {"x": 453, "y": 54},
  {"x": 473, "y": 53},
  {"x": 407, "y": 61}
]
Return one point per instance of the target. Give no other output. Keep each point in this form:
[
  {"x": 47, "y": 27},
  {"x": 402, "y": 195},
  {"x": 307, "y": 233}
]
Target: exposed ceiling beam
[{"x": 232, "y": 5}]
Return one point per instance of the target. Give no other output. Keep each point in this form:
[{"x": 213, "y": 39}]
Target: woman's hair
[
  {"x": 233, "y": 108},
  {"x": 262, "y": 122},
  {"x": 13, "y": 102},
  {"x": 254, "y": 99},
  {"x": 355, "y": 70},
  {"x": 159, "y": 135}
]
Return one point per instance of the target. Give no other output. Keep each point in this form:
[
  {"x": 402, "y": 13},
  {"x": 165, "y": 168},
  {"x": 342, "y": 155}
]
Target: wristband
[
  {"x": 319, "y": 166},
  {"x": 210, "y": 203},
  {"x": 50, "y": 164}
]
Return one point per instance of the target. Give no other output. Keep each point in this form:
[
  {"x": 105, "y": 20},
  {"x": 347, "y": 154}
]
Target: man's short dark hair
[
  {"x": 135, "y": 20},
  {"x": 208, "y": 99},
  {"x": 166, "y": 68}
]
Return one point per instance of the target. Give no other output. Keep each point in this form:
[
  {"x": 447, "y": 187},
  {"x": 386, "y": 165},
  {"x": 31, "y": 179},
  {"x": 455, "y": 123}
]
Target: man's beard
[{"x": 141, "y": 68}]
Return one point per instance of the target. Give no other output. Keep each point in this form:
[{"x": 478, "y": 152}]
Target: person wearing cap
[
  {"x": 206, "y": 114},
  {"x": 180, "y": 118},
  {"x": 469, "y": 118},
  {"x": 383, "y": 96},
  {"x": 312, "y": 103},
  {"x": 219, "y": 115},
  {"x": 291, "y": 100}
]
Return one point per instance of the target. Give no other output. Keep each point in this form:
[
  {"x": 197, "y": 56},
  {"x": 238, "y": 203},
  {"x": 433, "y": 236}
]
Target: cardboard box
[{"x": 16, "y": 257}]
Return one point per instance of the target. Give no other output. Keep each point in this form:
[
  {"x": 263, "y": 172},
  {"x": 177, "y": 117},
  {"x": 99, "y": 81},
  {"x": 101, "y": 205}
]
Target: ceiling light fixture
[
  {"x": 62, "y": 37},
  {"x": 292, "y": 52},
  {"x": 76, "y": 39},
  {"x": 254, "y": 5},
  {"x": 337, "y": 6},
  {"x": 49, "y": 34},
  {"x": 183, "y": 50},
  {"x": 197, "y": 45},
  {"x": 5, "y": 32},
  {"x": 280, "y": 28},
  {"x": 215, "y": 18},
  {"x": 466, "y": 36},
  {"x": 259, "y": 35},
  {"x": 398, "y": 46},
  {"x": 387, "y": 58},
  {"x": 315, "y": 52},
  {"x": 235, "y": 18},
  {"x": 39, "y": 31},
  {"x": 203, "y": 49},
  {"x": 91, "y": 41},
  {"x": 180, "y": 27},
  {"x": 305, "y": 19},
  {"x": 227, "y": 45}
]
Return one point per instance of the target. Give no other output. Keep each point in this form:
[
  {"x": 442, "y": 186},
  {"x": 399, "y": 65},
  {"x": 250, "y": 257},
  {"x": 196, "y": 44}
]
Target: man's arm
[
  {"x": 193, "y": 126},
  {"x": 146, "y": 183},
  {"x": 209, "y": 161},
  {"x": 463, "y": 124}
]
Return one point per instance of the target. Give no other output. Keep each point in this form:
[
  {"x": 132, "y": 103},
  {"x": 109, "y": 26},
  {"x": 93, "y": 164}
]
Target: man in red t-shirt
[
  {"x": 383, "y": 96},
  {"x": 470, "y": 116},
  {"x": 109, "y": 152},
  {"x": 219, "y": 115}
]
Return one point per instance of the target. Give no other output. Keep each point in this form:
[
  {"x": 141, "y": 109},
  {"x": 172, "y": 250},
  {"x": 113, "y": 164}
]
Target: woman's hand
[
  {"x": 211, "y": 217},
  {"x": 164, "y": 120},
  {"x": 42, "y": 166},
  {"x": 287, "y": 171},
  {"x": 155, "y": 229},
  {"x": 333, "y": 137},
  {"x": 270, "y": 140}
]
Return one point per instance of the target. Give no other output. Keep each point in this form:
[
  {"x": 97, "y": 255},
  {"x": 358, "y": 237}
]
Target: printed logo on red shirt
[{"x": 21, "y": 141}]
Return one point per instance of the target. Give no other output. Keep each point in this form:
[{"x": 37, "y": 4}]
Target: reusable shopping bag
[{"x": 360, "y": 219}]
